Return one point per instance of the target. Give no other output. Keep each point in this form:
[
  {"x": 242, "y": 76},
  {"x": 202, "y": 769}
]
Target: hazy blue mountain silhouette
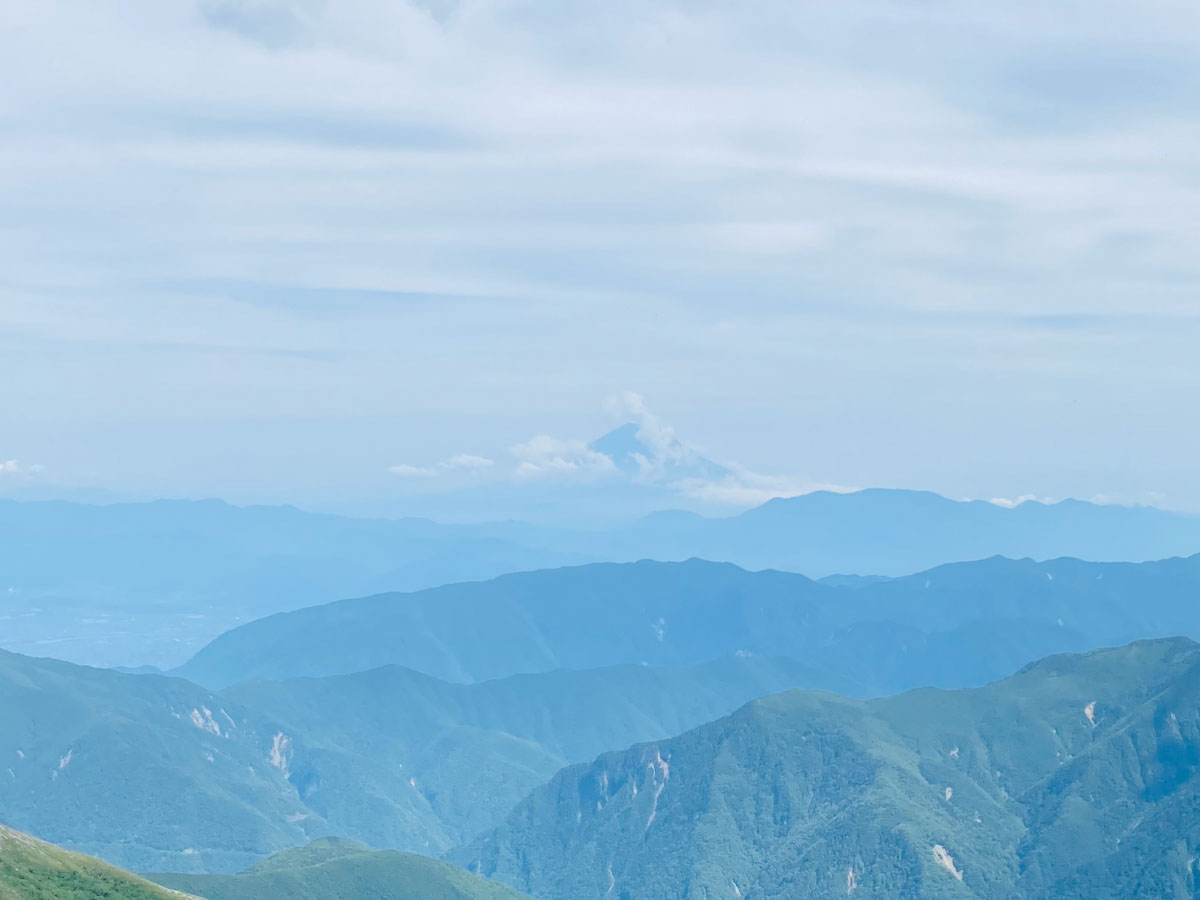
[
  {"x": 955, "y": 625},
  {"x": 637, "y": 459},
  {"x": 171, "y": 575}
]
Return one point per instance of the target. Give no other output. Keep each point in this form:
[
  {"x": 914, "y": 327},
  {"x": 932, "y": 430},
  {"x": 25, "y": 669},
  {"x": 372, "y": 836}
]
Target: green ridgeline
[{"x": 336, "y": 869}]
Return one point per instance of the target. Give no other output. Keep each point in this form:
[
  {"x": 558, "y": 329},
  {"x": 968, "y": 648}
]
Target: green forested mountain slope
[
  {"x": 953, "y": 626},
  {"x": 335, "y": 869},
  {"x": 155, "y": 773},
  {"x": 1075, "y": 777},
  {"x": 33, "y": 870},
  {"x": 471, "y": 752},
  {"x": 143, "y": 771},
  {"x": 158, "y": 774}
]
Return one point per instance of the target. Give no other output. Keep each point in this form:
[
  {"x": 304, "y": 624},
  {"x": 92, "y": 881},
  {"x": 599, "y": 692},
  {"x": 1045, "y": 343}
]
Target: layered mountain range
[
  {"x": 419, "y": 722},
  {"x": 139, "y": 583},
  {"x": 955, "y": 625},
  {"x": 1077, "y": 776}
]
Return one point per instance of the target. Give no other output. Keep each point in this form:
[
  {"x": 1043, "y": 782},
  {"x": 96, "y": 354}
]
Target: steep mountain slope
[
  {"x": 335, "y": 869},
  {"x": 472, "y": 752},
  {"x": 149, "y": 772},
  {"x": 33, "y": 870},
  {"x": 158, "y": 774},
  {"x": 1029, "y": 787},
  {"x": 956, "y": 625}
]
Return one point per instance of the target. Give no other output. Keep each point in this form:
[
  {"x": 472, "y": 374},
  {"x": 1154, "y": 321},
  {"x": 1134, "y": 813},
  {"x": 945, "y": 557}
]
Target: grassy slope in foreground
[
  {"x": 333, "y": 869},
  {"x": 33, "y": 870}
]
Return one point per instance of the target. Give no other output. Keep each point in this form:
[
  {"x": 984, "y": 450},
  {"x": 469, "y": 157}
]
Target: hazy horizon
[{"x": 543, "y": 479}]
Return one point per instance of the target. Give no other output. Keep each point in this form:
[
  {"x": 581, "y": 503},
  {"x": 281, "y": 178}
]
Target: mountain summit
[{"x": 647, "y": 456}]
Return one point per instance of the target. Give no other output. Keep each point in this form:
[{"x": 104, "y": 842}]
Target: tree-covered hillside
[
  {"x": 1076, "y": 777},
  {"x": 144, "y": 771},
  {"x": 472, "y": 752},
  {"x": 155, "y": 773}
]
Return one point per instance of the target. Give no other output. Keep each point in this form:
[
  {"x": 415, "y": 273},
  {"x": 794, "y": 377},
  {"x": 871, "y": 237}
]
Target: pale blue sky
[{"x": 284, "y": 249}]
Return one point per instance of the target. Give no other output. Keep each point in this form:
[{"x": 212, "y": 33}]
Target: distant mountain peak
[
  {"x": 655, "y": 457},
  {"x": 620, "y": 443}
]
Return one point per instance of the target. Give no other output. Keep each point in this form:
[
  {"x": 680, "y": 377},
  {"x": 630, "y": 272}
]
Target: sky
[{"x": 316, "y": 252}]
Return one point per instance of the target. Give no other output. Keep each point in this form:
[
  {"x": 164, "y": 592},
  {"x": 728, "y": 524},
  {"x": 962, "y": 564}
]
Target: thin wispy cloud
[
  {"x": 460, "y": 462},
  {"x": 14, "y": 467},
  {"x": 545, "y": 456}
]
